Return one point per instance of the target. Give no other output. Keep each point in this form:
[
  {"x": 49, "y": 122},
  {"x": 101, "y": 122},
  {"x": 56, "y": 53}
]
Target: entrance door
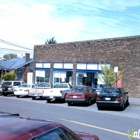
[{"x": 87, "y": 80}]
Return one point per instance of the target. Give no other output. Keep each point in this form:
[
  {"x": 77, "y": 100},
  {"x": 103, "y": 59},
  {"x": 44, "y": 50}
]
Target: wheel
[
  {"x": 17, "y": 96},
  {"x": 122, "y": 106},
  {"x": 69, "y": 103},
  {"x": 33, "y": 98},
  {"x": 99, "y": 108},
  {"x": 4, "y": 94},
  {"x": 48, "y": 100},
  {"x": 89, "y": 102},
  {"x": 127, "y": 102}
]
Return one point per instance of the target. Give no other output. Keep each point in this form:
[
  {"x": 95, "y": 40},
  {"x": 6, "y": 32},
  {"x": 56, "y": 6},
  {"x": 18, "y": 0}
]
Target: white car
[
  {"x": 23, "y": 90},
  {"x": 38, "y": 91},
  {"x": 57, "y": 92}
]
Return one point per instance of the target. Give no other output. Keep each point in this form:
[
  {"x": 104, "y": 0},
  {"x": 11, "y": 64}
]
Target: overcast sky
[{"x": 31, "y": 22}]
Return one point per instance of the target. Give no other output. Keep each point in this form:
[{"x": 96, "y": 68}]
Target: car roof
[{"x": 16, "y": 127}]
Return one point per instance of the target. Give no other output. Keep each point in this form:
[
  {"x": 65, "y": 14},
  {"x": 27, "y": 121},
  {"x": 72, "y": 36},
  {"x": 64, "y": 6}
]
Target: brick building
[{"x": 79, "y": 62}]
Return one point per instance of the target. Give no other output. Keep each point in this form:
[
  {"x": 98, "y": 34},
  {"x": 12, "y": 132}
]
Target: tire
[
  {"x": 99, "y": 108},
  {"x": 122, "y": 106},
  {"x": 18, "y": 96},
  {"x": 48, "y": 100},
  {"x": 89, "y": 102},
  {"x": 127, "y": 102},
  {"x": 69, "y": 103},
  {"x": 33, "y": 98}
]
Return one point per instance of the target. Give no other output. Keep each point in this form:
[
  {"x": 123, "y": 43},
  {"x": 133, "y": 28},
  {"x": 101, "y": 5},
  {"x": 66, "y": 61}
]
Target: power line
[
  {"x": 13, "y": 44},
  {"x": 4, "y": 49}
]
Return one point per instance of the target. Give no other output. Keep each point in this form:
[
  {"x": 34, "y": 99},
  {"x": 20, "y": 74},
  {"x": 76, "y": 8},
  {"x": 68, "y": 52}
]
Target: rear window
[
  {"x": 78, "y": 89},
  {"x": 24, "y": 85},
  {"x": 109, "y": 91},
  {"x": 7, "y": 83},
  {"x": 60, "y": 86},
  {"x": 44, "y": 85}
]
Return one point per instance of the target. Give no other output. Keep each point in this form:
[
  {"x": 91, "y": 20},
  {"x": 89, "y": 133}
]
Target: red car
[
  {"x": 14, "y": 127},
  {"x": 81, "y": 94}
]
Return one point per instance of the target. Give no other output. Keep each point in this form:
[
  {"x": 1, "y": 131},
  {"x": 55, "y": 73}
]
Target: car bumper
[
  {"x": 36, "y": 94},
  {"x": 53, "y": 97},
  {"x": 76, "y": 100},
  {"x": 108, "y": 103}
]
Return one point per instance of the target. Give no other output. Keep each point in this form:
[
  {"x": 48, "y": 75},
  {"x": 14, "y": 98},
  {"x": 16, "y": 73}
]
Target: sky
[{"x": 31, "y": 22}]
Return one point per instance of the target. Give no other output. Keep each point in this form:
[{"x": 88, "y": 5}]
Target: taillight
[
  {"x": 67, "y": 95},
  {"x": 83, "y": 96},
  {"x": 60, "y": 91},
  {"x": 15, "y": 90},
  {"x": 98, "y": 98},
  {"x": 118, "y": 99}
]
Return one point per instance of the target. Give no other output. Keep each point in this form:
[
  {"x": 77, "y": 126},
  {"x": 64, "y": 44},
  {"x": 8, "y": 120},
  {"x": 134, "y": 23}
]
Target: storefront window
[
  {"x": 62, "y": 76},
  {"x": 42, "y": 76}
]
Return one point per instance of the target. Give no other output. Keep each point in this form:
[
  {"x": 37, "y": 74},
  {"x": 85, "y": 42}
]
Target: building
[
  {"x": 79, "y": 62},
  {"x": 21, "y": 66}
]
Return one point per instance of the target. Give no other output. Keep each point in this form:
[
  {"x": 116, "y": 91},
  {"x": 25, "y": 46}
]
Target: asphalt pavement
[{"x": 134, "y": 101}]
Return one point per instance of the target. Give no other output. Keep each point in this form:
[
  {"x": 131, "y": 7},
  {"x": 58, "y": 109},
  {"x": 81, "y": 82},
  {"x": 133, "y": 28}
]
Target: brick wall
[{"x": 123, "y": 52}]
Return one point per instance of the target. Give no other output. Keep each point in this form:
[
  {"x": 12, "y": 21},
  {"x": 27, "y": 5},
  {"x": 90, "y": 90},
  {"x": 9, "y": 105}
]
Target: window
[
  {"x": 69, "y": 134},
  {"x": 16, "y": 83},
  {"x": 52, "y": 135}
]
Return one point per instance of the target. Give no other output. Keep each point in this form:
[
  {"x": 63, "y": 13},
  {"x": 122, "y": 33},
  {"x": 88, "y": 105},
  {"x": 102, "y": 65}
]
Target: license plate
[
  {"x": 20, "y": 89},
  {"x": 74, "y": 96},
  {"x": 51, "y": 97},
  {"x": 107, "y": 99}
]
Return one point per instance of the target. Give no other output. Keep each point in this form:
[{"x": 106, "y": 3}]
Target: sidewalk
[{"x": 134, "y": 101}]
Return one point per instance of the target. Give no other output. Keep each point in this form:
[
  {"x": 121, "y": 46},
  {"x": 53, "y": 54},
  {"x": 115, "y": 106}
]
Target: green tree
[
  {"x": 108, "y": 76},
  {"x": 50, "y": 41},
  {"x": 9, "y": 76},
  {"x": 9, "y": 56}
]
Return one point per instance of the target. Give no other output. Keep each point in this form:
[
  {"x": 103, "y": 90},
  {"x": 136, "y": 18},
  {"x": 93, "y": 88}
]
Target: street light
[{"x": 116, "y": 71}]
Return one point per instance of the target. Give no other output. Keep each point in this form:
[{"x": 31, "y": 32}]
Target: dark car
[
  {"x": 112, "y": 97},
  {"x": 81, "y": 94},
  {"x": 21, "y": 128}
]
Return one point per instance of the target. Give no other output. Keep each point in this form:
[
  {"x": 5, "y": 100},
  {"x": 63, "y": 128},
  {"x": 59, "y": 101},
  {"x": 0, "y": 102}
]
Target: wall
[{"x": 123, "y": 52}]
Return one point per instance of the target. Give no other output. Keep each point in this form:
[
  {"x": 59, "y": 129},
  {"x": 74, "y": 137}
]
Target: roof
[
  {"x": 15, "y": 127},
  {"x": 14, "y": 63}
]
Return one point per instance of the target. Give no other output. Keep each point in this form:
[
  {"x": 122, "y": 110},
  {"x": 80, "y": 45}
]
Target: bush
[{"x": 9, "y": 76}]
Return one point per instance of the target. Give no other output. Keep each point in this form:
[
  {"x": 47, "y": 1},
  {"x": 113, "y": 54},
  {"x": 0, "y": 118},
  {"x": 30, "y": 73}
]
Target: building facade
[{"x": 80, "y": 62}]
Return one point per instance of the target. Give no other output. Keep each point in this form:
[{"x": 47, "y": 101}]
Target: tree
[
  {"x": 108, "y": 76},
  {"x": 50, "y": 41},
  {"x": 9, "y": 56},
  {"x": 10, "y": 75}
]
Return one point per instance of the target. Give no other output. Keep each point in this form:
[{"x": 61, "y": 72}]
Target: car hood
[{"x": 86, "y": 136}]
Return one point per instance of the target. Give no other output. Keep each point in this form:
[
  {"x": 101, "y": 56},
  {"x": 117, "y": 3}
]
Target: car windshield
[
  {"x": 60, "y": 86},
  {"x": 24, "y": 85},
  {"x": 109, "y": 91},
  {"x": 78, "y": 89}
]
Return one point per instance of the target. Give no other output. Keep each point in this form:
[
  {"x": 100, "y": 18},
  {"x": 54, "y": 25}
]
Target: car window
[
  {"x": 24, "y": 85},
  {"x": 52, "y": 135},
  {"x": 60, "y": 86},
  {"x": 78, "y": 89},
  {"x": 109, "y": 91},
  {"x": 7, "y": 83},
  {"x": 44, "y": 85},
  {"x": 16, "y": 84},
  {"x": 69, "y": 134}
]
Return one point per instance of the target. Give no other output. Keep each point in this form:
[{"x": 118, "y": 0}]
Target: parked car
[
  {"x": 9, "y": 86},
  {"x": 14, "y": 127},
  {"x": 56, "y": 93},
  {"x": 80, "y": 94},
  {"x": 0, "y": 88},
  {"x": 23, "y": 90},
  {"x": 112, "y": 97},
  {"x": 38, "y": 91}
]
